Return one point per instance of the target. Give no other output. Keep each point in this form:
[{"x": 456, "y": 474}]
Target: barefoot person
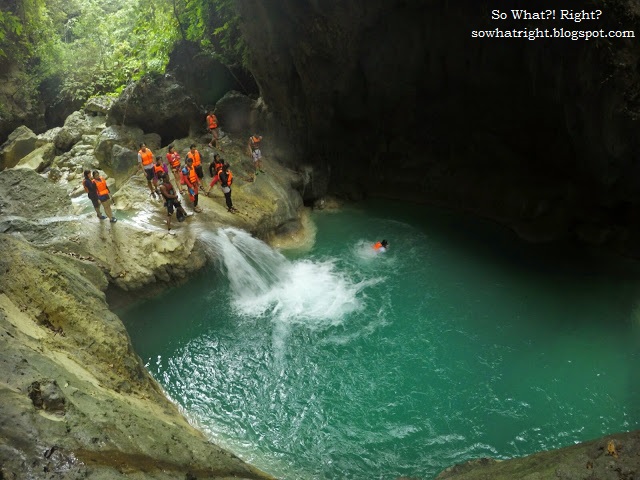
[
  {"x": 214, "y": 170},
  {"x": 92, "y": 192},
  {"x": 145, "y": 164},
  {"x": 173, "y": 158},
  {"x": 171, "y": 200},
  {"x": 192, "y": 181},
  {"x": 197, "y": 163},
  {"x": 226, "y": 178},
  {"x": 212, "y": 124},
  {"x": 103, "y": 195},
  {"x": 253, "y": 148}
]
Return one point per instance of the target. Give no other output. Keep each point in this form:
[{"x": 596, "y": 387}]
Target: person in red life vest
[
  {"x": 214, "y": 171},
  {"x": 226, "y": 179},
  {"x": 173, "y": 159},
  {"x": 192, "y": 181},
  {"x": 197, "y": 163},
  {"x": 212, "y": 125},
  {"x": 103, "y": 195},
  {"x": 381, "y": 246},
  {"x": 92, "y": 192},
  {"x": 145, "y": 163},
  {"x": 253, "y": 147},
  {"x": 159, "y": 169},
  {"x": 171, "y": 201}
]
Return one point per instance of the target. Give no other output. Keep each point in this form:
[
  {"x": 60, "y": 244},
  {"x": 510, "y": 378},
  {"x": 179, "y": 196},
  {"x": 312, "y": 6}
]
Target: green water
[{"x": 459, "y": 342}]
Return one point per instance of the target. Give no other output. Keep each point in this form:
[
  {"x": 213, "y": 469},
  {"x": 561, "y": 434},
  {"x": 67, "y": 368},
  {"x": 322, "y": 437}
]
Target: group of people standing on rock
[{"x": 188, "y": 176}]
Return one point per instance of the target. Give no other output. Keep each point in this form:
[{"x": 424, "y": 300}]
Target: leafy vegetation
[{"x": 90, "y": 47}]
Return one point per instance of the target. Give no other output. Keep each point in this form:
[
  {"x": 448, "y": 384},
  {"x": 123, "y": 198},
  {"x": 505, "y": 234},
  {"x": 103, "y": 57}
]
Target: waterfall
[{"x": 264, "y": 283}]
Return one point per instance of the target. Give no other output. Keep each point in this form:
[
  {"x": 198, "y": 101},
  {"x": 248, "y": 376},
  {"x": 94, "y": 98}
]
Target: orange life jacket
[
  {"x": 192, "y": 176},
  {"x": 173, "y": 159},
  {"x": 377, "y": 246},
  {"x": 213, "y": 121},
  {"x": 147, "y": 157},
  {"x": 158, "y": 168},
  {"x": 102, "y": 186},
  {"x": 229, "y": 178},
  {"x": 255, "y": 142},
  {"x": 195, "y": 157}
]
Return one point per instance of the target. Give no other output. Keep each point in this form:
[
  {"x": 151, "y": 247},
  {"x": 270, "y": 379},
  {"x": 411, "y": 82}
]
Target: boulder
[
  {"x": 99, "y": 105},
  {"x": 48, "y": 137},
  {"x": 26, "y": 194},
  {"x": 75, "y": 126},
  {"x": 122, "y": 159},
  {"x": 39, "y": 159},
  {"x": 129, "y": 137},
  {"x": 236, "y": 112},
  {"x": 158, "y": 104},
  {"x": 21, "y": 142}
]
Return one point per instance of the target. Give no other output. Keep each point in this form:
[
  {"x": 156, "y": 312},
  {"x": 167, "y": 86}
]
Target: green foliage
[
  {"x": 215, "y": 25},
  {"x": 91, "y": 47}
]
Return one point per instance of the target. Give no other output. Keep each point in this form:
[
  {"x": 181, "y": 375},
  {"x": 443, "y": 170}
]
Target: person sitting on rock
[{"x": 192, "y": 181}]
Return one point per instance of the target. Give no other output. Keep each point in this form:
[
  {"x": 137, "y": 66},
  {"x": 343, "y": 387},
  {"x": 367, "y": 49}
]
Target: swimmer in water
[{"x": 381, "y": 246}]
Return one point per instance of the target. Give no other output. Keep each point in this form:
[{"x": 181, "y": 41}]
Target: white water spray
[{"x": 265, "y": 283}]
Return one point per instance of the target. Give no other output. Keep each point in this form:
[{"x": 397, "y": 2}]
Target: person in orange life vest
[
  {"x": 145, "y": 163},
  {"x": 92, "y": 192},
  {"x": 253, "y": 147},
  {"x": 159, "y": 169},
  {"x": 226, "y": 179},
  {"x": 381, "y": 246},
  {"x": 197, "y": 163},
  {"x": 214, "y": 171},
  {"x": 103, "y": 195},
  {"x": 212, "y": 125},
  {"x": 171, "y": 200},
  {"x": 191, "y": 179},
  {"x": 173, "y": 158}
]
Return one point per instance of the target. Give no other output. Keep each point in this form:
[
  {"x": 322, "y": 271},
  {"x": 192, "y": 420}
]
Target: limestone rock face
[
  {"x": 39, "y": 159},
  {"x": 236, "y": 112},
  {"x": 99, "y": 105},
  {"x": 75, "y": 126},
  {"x": 585, "y": 460},
  {"x": 127, "y": 137},
  {"x": 75, "y": 397},
  {"x": 20, "y": 143},
  {"x": 541, "y": 139},
  {"x": 158, "y": 104}
]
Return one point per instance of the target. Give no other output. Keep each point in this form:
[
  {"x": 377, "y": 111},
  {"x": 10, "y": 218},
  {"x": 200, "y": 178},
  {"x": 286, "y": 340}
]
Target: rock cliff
[
  {"x": 396, "y": 99},
  {"x": 77, "y": 401}
]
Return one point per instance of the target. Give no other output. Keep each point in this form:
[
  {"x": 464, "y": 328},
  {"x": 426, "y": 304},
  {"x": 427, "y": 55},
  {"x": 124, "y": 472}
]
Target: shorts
[
  {"x": 199, "y": 172},
  {"x": 94, "y": 200},
  {"x": 150, "y": 173},
  {"x": 256, "y": 154},
  {"x": 171, "y": 203},
  {"x": 104, "y": 198},
  {"x": 176, "y": 169}
]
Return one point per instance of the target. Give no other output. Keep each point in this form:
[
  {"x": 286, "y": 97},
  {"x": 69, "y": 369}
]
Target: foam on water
[{"x": 264, "y": 283}]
